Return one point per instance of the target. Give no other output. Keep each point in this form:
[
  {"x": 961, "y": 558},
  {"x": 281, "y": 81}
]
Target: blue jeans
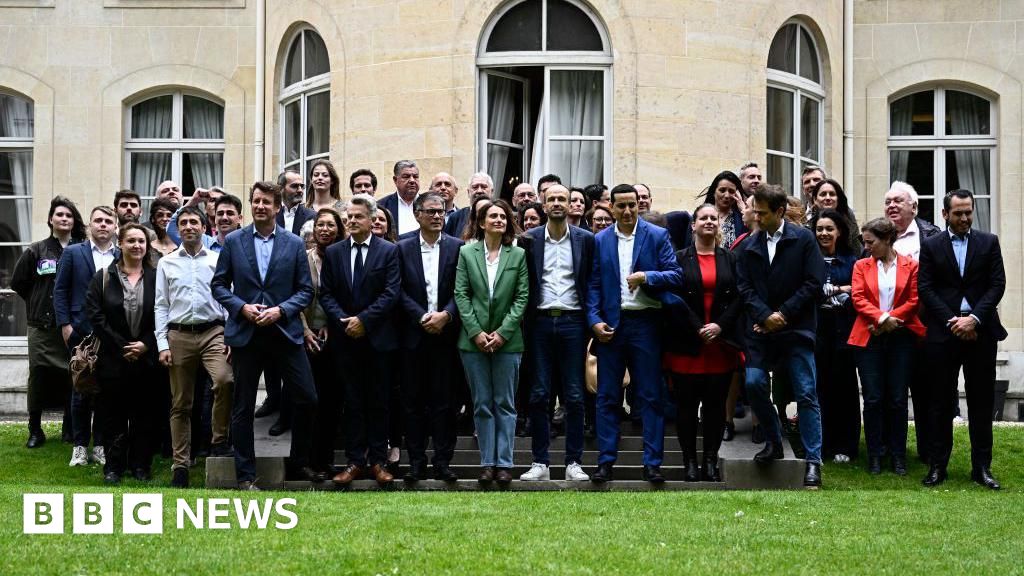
[
  {"x": 636, "y": 345},
  {"x": 492, "y": 381},
  {"x": 558, "y": 343},
  {"x": 886, "y": 366},
  {"x": 794, "y": 355}
]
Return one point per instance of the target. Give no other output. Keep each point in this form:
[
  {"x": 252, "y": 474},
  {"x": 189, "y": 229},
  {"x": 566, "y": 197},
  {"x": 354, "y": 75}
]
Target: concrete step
[
  {"x": 525, "y": 457},
  {"x": 629, "y": 442},
  {"x": 514, "y": 486}
]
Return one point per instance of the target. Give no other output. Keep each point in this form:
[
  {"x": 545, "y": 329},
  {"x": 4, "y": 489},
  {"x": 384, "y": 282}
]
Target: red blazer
[{"x": 865, "y": 298}]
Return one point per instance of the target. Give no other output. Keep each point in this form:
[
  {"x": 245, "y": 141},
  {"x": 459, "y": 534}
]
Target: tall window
[
  {"x": 175, "y": 136},
  {"x": 940, "y": 140},
  {"x": 305, "y": 102},
  {"x": 16, "y": 133},
  {"x": 544, "y": 102},
  {"x": 795, "y": 128}
]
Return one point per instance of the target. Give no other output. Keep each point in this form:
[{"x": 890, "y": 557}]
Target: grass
[{"x": 856, "y": 525}]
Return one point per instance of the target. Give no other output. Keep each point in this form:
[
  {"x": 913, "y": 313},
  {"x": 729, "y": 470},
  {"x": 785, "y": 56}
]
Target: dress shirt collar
[
  {"x": 549, "y": 238},
  {"x": 97, "y": 250},
  {"x": 181, "y": 252},
  {"x": 911, "y": 230},
  {"x": 778, "y": 233},
  {"x": 955, "y": 236},
  {"x": 256, "y": 233},
  {"x": 626, "y": 236},
  {"x": 423, "y": 241}
]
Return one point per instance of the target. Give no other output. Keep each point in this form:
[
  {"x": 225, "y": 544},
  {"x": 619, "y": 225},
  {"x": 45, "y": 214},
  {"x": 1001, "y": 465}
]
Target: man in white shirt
[
  {"x": 293, "y": 212},
  {"x": 399, "y": 204}
]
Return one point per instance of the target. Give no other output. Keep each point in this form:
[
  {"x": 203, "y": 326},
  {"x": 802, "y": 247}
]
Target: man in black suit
[
  {"x": 360, "y": 284},
  {"x": 399, "y": 203},
  {"x": 429, "y": 331},
  {"x": 780, "y": 273},
  {"x": 293, "y": 213},
  {"x": 961, "y": 281},
  {"x": 480, "y": 186}
]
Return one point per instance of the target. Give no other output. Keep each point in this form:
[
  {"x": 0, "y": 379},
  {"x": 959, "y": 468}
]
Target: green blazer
[{"x": 477, "y": 312}]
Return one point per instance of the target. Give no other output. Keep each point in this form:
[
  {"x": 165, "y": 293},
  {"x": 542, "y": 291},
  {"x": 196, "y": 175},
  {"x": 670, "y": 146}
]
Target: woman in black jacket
[{"x": 120, "y": 306}]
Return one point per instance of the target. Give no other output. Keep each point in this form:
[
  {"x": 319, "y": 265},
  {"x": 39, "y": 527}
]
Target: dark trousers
[
  {"x": 202, "y": 412},
  {"x": 127, "y": 411},
  {"x": 366, "y": 375},
  {"x": 978, "y": 359},
  {"x": 427, "y": 394},
  {"x": 269, "y": 346},
  {"x": 921, "y": 390},
  {"x": 691, "y": 391},
  {"x": 277, "y": 394},
  {"x": 558, "y": 349},
  {"x": 886, "y": 367},
  {"x": 838, "y": 394},
  {"x": 329, "y": 410},
  {"x": 85, "y": 424}
]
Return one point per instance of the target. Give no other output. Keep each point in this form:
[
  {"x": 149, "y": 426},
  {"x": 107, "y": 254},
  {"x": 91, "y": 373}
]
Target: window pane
[
  {"x": 292, "y": 129},
  {"x": 204, "y": 120},
  {"x": 913, "y": 115},
  {"x": 149, "y": 169},
  {"x": 506, "y": 167},
  {"x": 966, "y": 114},
  {"x": 16, "y": 173},
  {"x": 317, "y": 62},
  {"x": 504, "y": 109},
  {"x": 518, "y": 29},
  {"x": 16, "y": 117},
  {"x": 782, "y": 54},
  {"x": 780, "y": 171},
  {"x": 579, "y": 163},
  {"x": 970, "y": 170},
  {"x": 982, "y": 214},
  {"x": 201, "y": 170},
  {"x": 16, "y": 220},
  {"x": 153, "y": 118},
  {"x": 810, "y": 111},
  {"x": 569, "y": 28},
  {"x": 926, "y": 210},
  {"x": 808, "y": 58},
  {"x": 780, "y": 120},
  {"x": 293, "y": 65},
  {"x": 915, "y": 167},
  {"x": 318, "y": 123},
  {"x": 577, "y": 103}
]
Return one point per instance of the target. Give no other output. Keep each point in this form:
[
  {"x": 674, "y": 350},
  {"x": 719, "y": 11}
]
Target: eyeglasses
[{"x": 432, "y": 211}]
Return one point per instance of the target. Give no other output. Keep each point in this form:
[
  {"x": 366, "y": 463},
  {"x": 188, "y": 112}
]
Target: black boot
[
  {"x": 710, "y": 471},
  {"x": 692, "y": 473}
]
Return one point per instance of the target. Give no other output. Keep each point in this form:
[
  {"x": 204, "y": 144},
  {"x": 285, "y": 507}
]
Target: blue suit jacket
[
  {"x": 652, "y": 253},
  {"x": 456, "y": 222},
  {"x": 74, "y": 272},
  {"x": 413, "y": 301},
  {"x": 236, "y": 282},
  {"x": 302, "y": 214},
  {"x": 582, "y": 259},
  {"x": 376, "y": 297}
]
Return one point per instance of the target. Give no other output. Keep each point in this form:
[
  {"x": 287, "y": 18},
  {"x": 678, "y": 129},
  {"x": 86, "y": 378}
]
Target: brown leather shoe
[
  {"x": 486, "y": 475},
  {"x": 382, "y": 475},
  {"x": 503, "y": 476},
  {"x": 350, "y": 473}
]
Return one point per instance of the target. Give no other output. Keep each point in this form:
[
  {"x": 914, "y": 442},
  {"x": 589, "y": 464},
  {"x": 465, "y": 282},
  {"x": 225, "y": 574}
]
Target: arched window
[
  {"x": 305, "y": 102},
  {"x": 941, "y": 139},
  {"x": 17, "y": 118},
  {"x": 174, "y": 136},
  {"x": 795, "y": 131},
  {"x": 544, "y": 103}
]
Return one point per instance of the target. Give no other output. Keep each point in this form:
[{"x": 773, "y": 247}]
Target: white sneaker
[
  {"x": 536, "y": 472},
  {"x": 841, "y": 459},
  {"x": 79, "y": 457},
  {"x": 98, "y": 456},
  {"x": 574, "y": 473}
]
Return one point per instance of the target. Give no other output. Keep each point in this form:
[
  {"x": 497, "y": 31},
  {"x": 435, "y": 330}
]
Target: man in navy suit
[
  {"x": 360, "y": 283},
  {"x": 294, "y": 213},
  {"x": 634, "y": 265},
  {"x": 263, "y": 282},
  {"x": 961, "y": 281},
  {"x": 557, "y": 330},
  {"x": 481, "y": 185},
  {"x": 429, "y": 330},
  {"x": 780, "y": 273},
  {"x": 78, "y": 264},
  {"x": 399, "y": 203}
]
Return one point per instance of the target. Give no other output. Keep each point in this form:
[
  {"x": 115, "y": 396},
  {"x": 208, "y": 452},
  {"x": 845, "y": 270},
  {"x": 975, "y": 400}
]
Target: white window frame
[
  {"x": 939, "y": 143},
  {"x": 15, "y": 144},
  {"x": 176, "y": 145},
  {"x": 300, "y": 92}
]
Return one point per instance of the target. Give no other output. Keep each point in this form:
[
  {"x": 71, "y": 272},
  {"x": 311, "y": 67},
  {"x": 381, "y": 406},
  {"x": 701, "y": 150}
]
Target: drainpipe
[
  {"x": 848, "y": 98},
  {"x": 261, "y": 65}
]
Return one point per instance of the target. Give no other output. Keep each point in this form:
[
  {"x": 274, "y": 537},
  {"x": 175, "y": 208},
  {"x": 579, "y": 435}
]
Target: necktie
[{"x": 357, "y": 271}]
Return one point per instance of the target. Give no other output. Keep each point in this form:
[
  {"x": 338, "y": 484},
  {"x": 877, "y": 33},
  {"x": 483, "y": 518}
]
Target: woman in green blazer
[{"x": 491, "y": 290}]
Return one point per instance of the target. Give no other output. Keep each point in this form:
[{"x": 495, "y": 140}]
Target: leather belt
[
  {"x": 556, "y": 312},
  {"x": 194, "y": 328}
]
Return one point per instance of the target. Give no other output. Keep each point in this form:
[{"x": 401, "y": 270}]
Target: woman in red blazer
[{"x": 885, "y": 333}]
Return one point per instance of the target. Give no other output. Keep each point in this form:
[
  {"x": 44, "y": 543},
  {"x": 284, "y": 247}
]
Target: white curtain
[
  {"x": 153, "y": 118},
  {"x": 577, "y": 109},
  {"x": 966, "y": 114},
  {"x": 501, "y": 116},
  {"x": 901, "y": 123},
  {"x": 16, "y": 121},
  {"x": 149, "y": 169},
  {"x": 540, "y": 146},
  {"x": 204, "y": 120}
]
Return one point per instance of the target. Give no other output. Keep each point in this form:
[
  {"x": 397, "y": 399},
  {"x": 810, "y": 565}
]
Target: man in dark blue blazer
[
  {"x": 634, "y": 266},
  {"x": 780, "y": 273},
  {"x": 262, "y": 280},
  {"x": 429, "y": 327},
  {"x": 560, "y": 258},
  {"x": 961, "y": 281},
  {"x": 481, "y": 185},
  {"x": 294, "y": 209},
  {"x": 360, "y": 283},
  {"x": 399, "y": 202}
]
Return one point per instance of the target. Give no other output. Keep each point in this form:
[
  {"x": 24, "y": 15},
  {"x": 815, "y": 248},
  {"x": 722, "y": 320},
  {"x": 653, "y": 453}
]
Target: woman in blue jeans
[{"x": 491, "y": 292}]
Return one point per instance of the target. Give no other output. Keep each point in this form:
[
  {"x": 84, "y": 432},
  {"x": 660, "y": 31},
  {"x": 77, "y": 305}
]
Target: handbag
[
  {"x": 590, "y": 375},
  {"x": 83, "y": 359}
]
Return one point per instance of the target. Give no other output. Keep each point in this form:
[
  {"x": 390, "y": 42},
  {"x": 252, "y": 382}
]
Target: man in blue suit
[
  {"x": 78, "y": 264},
  {"x": 263, "y": 281},
  {"x": 634, "y": 265},
  {"x": 780, "y": 273}
]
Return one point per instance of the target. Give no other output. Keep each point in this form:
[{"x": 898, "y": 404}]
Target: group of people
[{"x": 377, "y": 316}]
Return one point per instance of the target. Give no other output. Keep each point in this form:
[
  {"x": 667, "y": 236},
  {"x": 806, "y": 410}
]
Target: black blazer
[
  {"x": 302, "y": 215},
  {"x": 686, "y": 306},
  {"x": 109, "y": 323},
  {"x": 582, "y": 243},
  {"x": 457, "y": 222},
  {"x": 377, "y": 296},
  {"x": 941, "y": 288},
  {"x": 680, "y": 229},
  {"x": 413, "y": 299}
]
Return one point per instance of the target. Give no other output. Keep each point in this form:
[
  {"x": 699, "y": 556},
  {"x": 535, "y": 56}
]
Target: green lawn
[{"x": 855, "y": 525}]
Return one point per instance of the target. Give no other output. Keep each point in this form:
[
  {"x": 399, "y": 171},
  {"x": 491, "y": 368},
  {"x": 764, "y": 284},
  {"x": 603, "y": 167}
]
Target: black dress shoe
[
  {"x": 486, "y": 475},
  {"x": 221, "y": 450},
  {"x": 757, "y": 436},
  {"x": 899, "y": 465},
  {"x": 112, "y": 478},
  {"x": 936, "y": 475},
  {"x": 36, "y": 438},
  {"x": 444, "y": 473},
  {"x": 874, "y": 465},
  {"x": 279, "y": 428},
  {"x": 602, "y": 474},
  {"x": 653, "y": 474},
  {"x": 983, "y": 475},
  {"x": 710, "y": 471},
  {"x": 692, "y": 472},
  {"x": 67, "y": 437},
  {"x": 771, "y": 451},
  {"x": 812, "y": 477},
  {"x": 303, "y": 474},
  {"x": 729, "y": 432},
  {"x": 179, "y": 478},
  {"x": 142, "y": 475},
  {"x": 589, "y": 432},
  {"x": 265, "y": 409},
  {"x": 417, "y": 471}
]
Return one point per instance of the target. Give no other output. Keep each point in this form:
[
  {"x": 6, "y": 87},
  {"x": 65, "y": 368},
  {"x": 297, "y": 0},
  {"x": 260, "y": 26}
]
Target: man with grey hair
[
  {"x": 399, "y": 203},
  {"x": 750, "y": 177},
  {"x": 480, "y": 186},
  {"x": 524, "y": 192}
]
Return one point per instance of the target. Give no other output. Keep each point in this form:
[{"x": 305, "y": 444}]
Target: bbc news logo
[{"x": 144, "y": 514}]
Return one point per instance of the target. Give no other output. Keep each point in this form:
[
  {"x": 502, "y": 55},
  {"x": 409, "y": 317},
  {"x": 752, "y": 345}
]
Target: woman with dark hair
[
  {"x": 725, "y": 194},
  {"x": 383, "y": 225},
  {"x": 491, "y": 291},
  {"x": 600, "y": 217},
  {"x": 829, "y": 195},
  {"x": 120, "y": 305},
  {"x": 49, "y": 382},
  {"x": 324, "y": 190},
  {"x": 833, "y": 357},
  {"x": 577, "y": 208},
  {"x": 531, "y": 215},
  {"x": 160, "y": 212}
]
